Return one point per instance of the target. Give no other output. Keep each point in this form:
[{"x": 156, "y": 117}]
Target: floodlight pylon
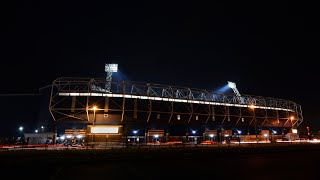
[
  {"x": 109, "y": 69},
  {"x": 233, "y": 86}
]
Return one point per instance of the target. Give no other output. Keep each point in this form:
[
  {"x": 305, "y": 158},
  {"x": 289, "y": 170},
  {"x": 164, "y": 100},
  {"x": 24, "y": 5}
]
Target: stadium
[{"x": 101, "y": 110}]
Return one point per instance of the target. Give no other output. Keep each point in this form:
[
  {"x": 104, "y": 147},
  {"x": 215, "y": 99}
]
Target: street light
[
  {"x": 239, "y": 132},
  {"x": 135, "y": 135},
  {"x": 94, "y": 114},
  {"x": 291, "y": 118},
  {"x": 21, "y": 128},
  {"x": 36, "y": 131},
  {"x": 308, "y": 132},
  {"x": 94, "y": 118}
]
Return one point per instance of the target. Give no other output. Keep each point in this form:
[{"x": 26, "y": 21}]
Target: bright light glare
[
  {"x": 251, "y": 106},
  {"x": 42, "y": 127},
  {"x": 156, "y": 135},
  {"x": 295, "y": 131},
  {"x": 265, "y": 135},
  {"x": 94, "y": 108},
  {"x": 104, "y": 130},
  {"x": 62, "y": 137},
  {"x": 211, "y": 135},
  {"x": 274, "y": 132},
  {"x": 231, "y": 84},
  {"x": 193, "y": 132},
  {"x": 36, "y": 131},
  {"x": 239, "y": 132},
  {"x": 135, "y": 132},
  {"x": 69, "y": 136},
  {"x": 20, "y": 128},
  {"x": 79, "y": 136},
  {"x": 111, "y": 68}
]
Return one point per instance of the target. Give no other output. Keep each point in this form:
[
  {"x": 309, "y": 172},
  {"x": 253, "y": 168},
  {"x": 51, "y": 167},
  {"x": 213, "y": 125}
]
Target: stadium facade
[{"x": 144, "y": 112}]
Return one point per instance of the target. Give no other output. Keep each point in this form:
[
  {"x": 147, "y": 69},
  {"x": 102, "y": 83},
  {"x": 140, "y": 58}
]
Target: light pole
[
  {"x": 273, "y": 133},
  {"x": 21, "y": 131},
  {"x": 135, "y": 136},
  {"x": 94, "y": 119},
  {"x": 239, "y": 133},
  {"x": 255, "y": 121},
  {"x": 94, "y": 114}
]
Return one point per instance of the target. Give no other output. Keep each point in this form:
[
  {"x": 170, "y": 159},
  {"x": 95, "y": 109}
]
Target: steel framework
[{"x": 73, "y": 99}]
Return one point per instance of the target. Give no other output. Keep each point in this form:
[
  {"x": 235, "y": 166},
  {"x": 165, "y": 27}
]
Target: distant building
[{"x": 39, "y": 138}]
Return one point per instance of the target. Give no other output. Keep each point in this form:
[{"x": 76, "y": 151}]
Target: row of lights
[
  {"x": 69, "y": 137},
  {"x": 36, "y": 131}
]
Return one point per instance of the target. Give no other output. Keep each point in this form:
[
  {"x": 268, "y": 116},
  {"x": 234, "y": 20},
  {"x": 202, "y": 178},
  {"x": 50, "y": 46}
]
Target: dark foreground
[{"x": 291, "y": 162}]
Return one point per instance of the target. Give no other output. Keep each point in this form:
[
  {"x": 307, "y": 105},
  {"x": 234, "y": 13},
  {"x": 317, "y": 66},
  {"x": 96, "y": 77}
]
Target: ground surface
[{"x": 289, "y": 162}]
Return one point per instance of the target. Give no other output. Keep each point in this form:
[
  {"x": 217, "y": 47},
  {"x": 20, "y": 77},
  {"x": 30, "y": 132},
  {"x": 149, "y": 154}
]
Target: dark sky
[{"x": 268, "y": 49}]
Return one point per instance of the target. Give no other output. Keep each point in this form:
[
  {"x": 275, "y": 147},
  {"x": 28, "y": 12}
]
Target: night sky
[{"x": 267, "y": 49}]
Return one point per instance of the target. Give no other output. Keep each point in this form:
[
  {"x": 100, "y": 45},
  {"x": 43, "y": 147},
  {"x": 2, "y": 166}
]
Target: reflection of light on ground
[{"x": 302, "y": 140}]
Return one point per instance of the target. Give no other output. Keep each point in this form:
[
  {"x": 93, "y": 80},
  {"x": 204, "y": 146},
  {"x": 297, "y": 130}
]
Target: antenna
[{"x": 109, "y": 69}]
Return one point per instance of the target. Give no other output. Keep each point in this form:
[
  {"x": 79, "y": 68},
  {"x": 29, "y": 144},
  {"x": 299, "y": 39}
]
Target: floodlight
[
  {"x": 156, "y": 135},
  {"x": 111, "y": 68},
  {"x": 294, "y": 131},
  {"x": 231, "y": 84}
]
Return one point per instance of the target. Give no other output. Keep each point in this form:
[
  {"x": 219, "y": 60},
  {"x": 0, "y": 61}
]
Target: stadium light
[
  {"x": 109, "y": 69},
  {"x": 231, "y": 84}
]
